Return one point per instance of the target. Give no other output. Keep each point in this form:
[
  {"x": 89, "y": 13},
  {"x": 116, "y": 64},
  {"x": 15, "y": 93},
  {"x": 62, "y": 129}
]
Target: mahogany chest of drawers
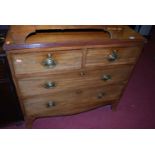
[{"x": 63, "y": 70}]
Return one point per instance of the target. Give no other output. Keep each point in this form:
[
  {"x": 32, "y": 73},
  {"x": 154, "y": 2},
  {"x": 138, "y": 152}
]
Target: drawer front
[
  {"x": 73, "y": 80},
  {"x": 72, "y": 101},
  {"x": 111, "y": 56},
  {"x": 38, "y": 62}
]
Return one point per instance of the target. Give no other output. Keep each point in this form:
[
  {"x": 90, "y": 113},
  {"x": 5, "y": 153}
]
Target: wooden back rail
[{"x": 19, "y": 33}]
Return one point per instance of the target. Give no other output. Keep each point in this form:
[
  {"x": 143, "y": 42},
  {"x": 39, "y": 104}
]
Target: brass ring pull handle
[
  {"x": 50, "y": 104},
  {"x": 106, "y": 77},
  {"x": 49, "y": 85},
  {"x": 113, "y": 56},
  {"x": 49, "y": 62},
  {"x": 100, "y": 95}
]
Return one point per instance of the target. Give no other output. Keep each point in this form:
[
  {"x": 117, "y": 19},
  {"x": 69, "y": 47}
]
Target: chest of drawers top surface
[
  {"x": 20, "y": 37},
  {"x": 60, "y": 70}
]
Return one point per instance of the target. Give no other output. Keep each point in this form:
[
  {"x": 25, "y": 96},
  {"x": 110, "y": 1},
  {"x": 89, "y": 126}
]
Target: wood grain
[
  {"x": 19, "y": 33},
  {"x": 33, "y": 62},
  {"x": 66, "y": 37},
  {"x": 118, "y": 34},
  {"x": 81, "y": 54},
  {"x": 71, "y": 102},
  {"x": 73, "y": 80},
  {"x": 99, "y": 56}
]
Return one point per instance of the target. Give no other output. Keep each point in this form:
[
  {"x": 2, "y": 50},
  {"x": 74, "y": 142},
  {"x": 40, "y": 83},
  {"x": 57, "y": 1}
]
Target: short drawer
[
  {"x": 73, "y": 80},
  {"x": 43, "y": 61},
  {"x": 72, "y": 101},
  {"x": 111, "y": 56}
]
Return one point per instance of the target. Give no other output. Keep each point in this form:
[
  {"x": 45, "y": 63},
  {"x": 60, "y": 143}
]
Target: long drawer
[
  {"x": 70, "y": 102},
  {"x": 46, "y": 61},
  {"x": 72, "y": 80}
]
